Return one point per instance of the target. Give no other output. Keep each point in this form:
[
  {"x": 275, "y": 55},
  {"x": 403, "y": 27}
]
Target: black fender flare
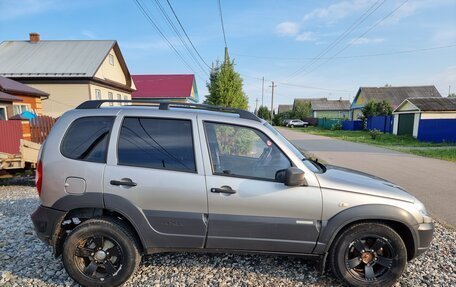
[{"x": 368, "y": 212}]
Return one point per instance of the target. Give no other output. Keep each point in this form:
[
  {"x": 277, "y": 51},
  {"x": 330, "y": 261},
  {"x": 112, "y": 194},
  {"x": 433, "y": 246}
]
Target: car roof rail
[{"x": 164, "y": 105}]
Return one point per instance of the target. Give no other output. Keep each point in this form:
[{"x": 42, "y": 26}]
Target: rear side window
[
  {"x": 157, "y": 143},
  {"x": 87, "y": 139}
]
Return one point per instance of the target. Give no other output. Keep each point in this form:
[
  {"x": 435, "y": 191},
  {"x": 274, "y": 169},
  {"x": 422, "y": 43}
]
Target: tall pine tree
[{"x": 225, "y": 87}]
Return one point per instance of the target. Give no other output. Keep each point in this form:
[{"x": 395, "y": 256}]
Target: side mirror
[{"x": 291, "y": 176}]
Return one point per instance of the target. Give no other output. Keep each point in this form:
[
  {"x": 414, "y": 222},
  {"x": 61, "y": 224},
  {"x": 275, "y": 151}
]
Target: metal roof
[
  {"x": 330, "y": 105},
  {"x": 16, "y": 88},
  {"x": 396, "y": 95},
  {"x": 53, "y": 59},
  {"x": 284, "y": 108},
  {"x": 4, "y": 97},
  {"x": 434, "y": 104},
  {"x": 163, "y": 86},
  {"x": 323, "y": 104}
]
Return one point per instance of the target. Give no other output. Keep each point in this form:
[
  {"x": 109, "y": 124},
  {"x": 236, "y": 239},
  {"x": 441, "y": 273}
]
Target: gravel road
[{"x": 26, "y": 261}]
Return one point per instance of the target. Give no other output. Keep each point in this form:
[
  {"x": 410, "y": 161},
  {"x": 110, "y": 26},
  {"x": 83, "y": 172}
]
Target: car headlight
[{"x": 420, "y": 207}]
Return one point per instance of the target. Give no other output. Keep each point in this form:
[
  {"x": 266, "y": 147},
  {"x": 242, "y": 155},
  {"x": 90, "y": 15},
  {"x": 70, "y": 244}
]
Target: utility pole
[
  {"x": 272, "y": 100},
  {"x": 256, "y": 106},
  {"x": 227, "y": 57},
  {"x": 262, "y": 93}
]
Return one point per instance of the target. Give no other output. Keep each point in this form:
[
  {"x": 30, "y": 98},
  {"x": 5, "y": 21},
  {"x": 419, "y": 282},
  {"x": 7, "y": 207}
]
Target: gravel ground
[{"x": 26, "y": 261}]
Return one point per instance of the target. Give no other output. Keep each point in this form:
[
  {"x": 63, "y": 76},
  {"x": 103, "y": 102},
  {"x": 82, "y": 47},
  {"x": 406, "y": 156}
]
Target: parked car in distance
[
  {"x": 286, "y": 121},
  {"x": 297, "y": 123},
  {"x": 119, "y": 182}
]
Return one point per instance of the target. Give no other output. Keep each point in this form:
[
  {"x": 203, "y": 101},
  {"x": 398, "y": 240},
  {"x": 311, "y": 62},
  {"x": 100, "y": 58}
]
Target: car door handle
[
  {"x": 223, "y": 189},
  {"x": 123, "y": 182}
]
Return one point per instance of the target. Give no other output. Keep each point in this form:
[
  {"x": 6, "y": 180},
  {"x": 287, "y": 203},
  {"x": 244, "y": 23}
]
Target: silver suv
[{"x": 119, "y": 182}]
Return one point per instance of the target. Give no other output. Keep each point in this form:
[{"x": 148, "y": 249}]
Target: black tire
[
  {"x": 382, "y": 262},
  {"x": 100, "y": 252}
]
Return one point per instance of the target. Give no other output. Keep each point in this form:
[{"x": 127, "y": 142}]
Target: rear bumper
[
  {"x": 425, "y": 234},
  {"x": 45, "y": 219}
]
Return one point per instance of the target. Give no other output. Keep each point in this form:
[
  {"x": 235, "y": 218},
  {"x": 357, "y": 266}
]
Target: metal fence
[
  {"x": 40, "y": 128},
  {"x": 437, "y": 130},
  {"x": 10, "y": 136},
  {"x": 327, "y": 123},
  {"x": 355, "y": 125},
  {"x": 381, "y": 123}
]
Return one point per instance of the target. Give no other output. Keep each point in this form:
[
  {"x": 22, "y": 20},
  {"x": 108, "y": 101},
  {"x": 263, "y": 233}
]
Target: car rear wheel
[
  {"x": 100, "y": 252},
  {"x": 368, "y": 254},
  {"x": 291, "y": 126}
]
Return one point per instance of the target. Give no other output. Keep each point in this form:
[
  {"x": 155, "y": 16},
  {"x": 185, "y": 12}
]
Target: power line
[
  {"x": 146, "y": 14},
  {"x": 351, "y": 56},
  {"x": 299, "y": 85},
  {"x": 186, "y": 35},
  {"x": 360, "y": 36},
  {"x": 176, "y": 31},
  {"x": 221, "y": 21},
  {"x": 374, "y": 7}
]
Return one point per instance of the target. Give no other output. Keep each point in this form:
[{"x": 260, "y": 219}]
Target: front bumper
[
  {"x": 45, "y": 219},
  {"x": 425, "y": 234}
]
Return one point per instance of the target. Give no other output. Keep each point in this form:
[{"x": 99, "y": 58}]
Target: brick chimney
[{"x": 34, "y": 37}]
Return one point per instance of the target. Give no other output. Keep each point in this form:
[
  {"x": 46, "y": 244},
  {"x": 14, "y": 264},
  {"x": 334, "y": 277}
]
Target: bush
[
  {"x": 337, "y": 126},
  {"x": 374, "y": 133}
]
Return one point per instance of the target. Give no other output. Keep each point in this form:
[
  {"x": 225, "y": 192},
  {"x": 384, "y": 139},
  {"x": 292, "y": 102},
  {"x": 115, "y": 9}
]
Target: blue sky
[{"x": 269, "y": 38}]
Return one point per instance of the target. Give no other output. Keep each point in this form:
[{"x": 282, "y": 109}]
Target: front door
[
  {"x": 248, "y": 208},
  {"x": 158, "y": 178}
]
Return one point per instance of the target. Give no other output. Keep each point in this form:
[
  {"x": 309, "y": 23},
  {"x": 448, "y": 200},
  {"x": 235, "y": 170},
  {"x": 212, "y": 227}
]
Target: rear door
[
  {"x": 155, "y": 175},
  {"x": 248, "y": 208}
]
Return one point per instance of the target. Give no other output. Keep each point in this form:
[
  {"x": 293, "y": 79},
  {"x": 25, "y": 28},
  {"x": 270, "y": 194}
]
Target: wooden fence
[
  {"x": 10, "y": 136},
  {"x": 40, "y": 128}
]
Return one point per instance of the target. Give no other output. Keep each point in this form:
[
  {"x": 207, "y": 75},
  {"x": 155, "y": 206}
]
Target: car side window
[
  {"x": 157, "y": 143},
  {"x": 244, "y": 152},
  {"x": 87, "y": 139}
]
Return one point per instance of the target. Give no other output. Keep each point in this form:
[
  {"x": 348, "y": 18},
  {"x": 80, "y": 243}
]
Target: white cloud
[
  {"x": 445, "y": 36},
  {"x": 305, "y": 36},
  {"x": 89, "y": 34},
  {"x": 364, "y": 41},
  {"x": 337, "y": 11},
  {"x": 406, "y": 10},
  {"x": 145, "y": 45},
  {"x": 11, "y": 9},
  {"x": 445, "y": 79},
  {"x": 288, "y": 29}
]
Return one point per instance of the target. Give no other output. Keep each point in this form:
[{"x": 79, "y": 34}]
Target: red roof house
[{"x": 180, "y": 88}]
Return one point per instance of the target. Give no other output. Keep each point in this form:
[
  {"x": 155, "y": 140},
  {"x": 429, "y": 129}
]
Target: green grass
[
  {"x": 442, "y": 153},
  {"x": 406, "y": 144},
  {"x": 385, "y": 140}
]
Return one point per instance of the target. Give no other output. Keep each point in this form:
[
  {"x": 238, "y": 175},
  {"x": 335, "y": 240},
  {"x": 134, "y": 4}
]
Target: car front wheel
[
  {"x": 100, "y": 252},
  {"x": 368, "y": 254}
]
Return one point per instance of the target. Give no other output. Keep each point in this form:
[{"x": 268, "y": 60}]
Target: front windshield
[{"x": 308, "y": 163}]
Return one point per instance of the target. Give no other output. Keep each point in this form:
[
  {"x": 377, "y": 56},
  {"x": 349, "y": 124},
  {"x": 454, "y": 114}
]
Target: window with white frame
[
  {"x": 110, "y": 97},
  {"x": 20, "y": 108},
  {"x": 111, "y": 59},
  {"x": 97, "y": 94},
  {"x": 3, "y": 115},
  {"x": 126, "y": 99}
]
